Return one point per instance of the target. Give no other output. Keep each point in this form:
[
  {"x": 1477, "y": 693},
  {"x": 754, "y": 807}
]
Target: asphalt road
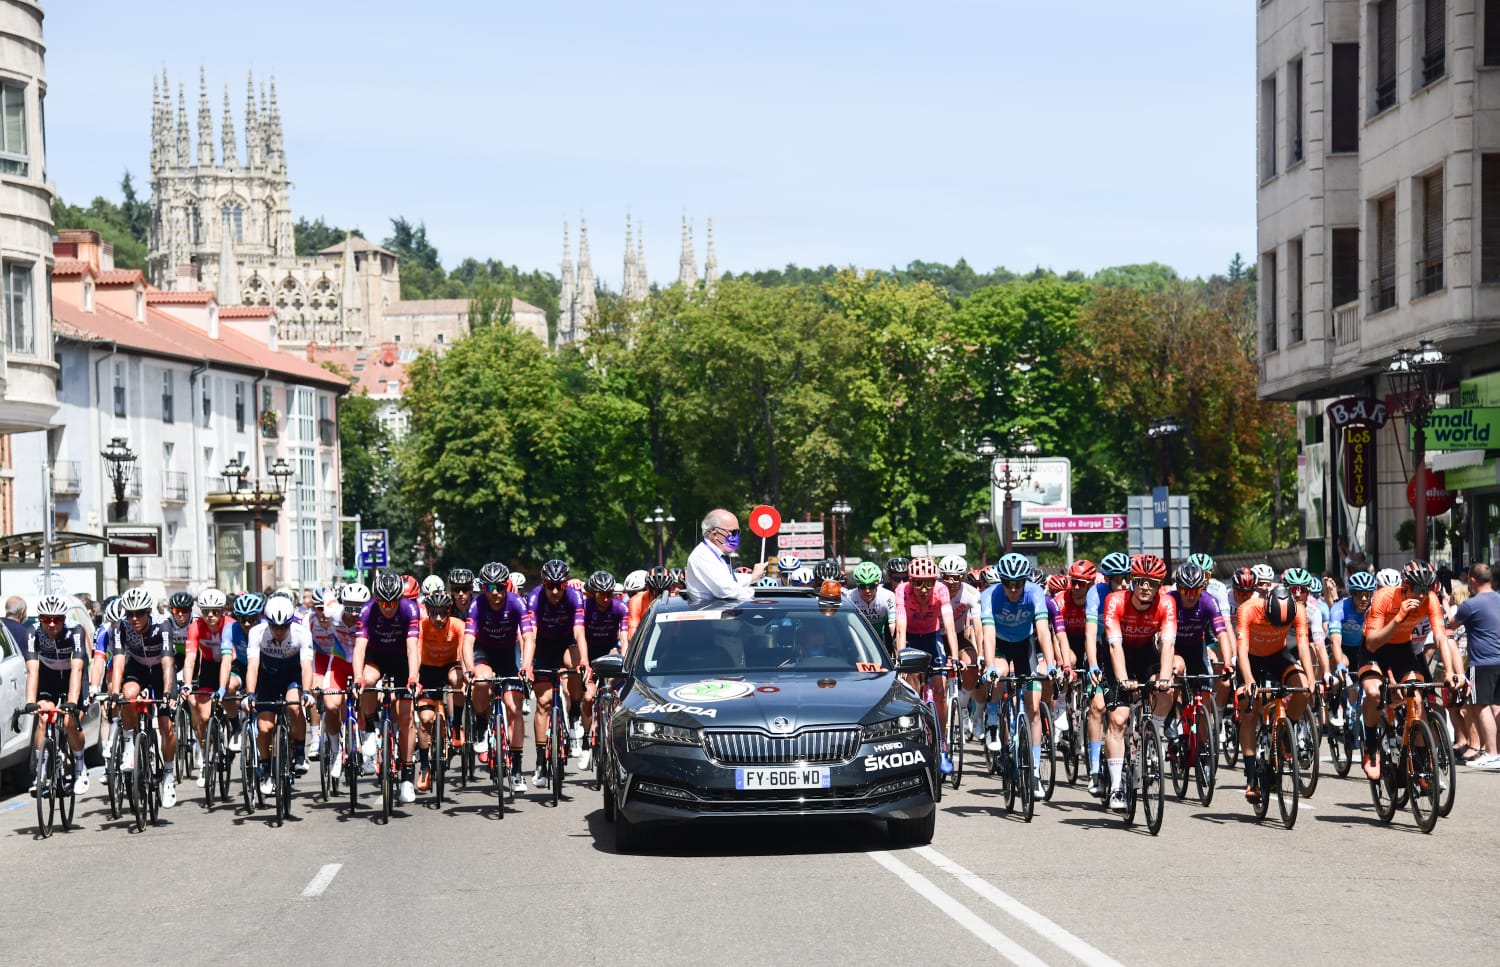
[{"x": 545, "y": 885}]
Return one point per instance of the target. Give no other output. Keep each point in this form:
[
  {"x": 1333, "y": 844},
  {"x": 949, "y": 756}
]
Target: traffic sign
[
  {"x": 764, "y": 521},
  {"x": 799, "y": 542},
  {"x": 1160, "y": 501},
  {"x": 132, "y": 540},
  {"x": 802, "y": 527},
  {"x": 373, "y": 549},
  {"x": 1084, "y": 522}
]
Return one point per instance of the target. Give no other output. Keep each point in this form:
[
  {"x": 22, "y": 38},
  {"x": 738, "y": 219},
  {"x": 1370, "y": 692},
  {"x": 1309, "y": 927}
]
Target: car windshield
[{"x": 754, "y": 639}]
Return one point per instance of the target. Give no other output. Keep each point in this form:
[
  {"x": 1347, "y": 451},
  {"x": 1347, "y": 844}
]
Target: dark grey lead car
[{"x": 777, "y": 707}]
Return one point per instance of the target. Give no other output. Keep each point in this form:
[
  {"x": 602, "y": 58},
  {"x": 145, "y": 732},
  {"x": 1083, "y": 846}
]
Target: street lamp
[
  {"x": 662, "y": 521},
  {"x": 121, "y": 460},
  {"x": 1415, "y": 377},
  {"x": 1011, "y": 475},
  {"x": 258, "y": 499},
  {"x": 983, "y": 523},
  {"x": 841, "y": 511},
  {"x": 1161, "y": 430}
]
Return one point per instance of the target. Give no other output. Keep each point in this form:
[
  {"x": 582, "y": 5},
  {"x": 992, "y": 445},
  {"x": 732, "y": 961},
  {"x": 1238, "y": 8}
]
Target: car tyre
[
  {"x": 912, "y": 832},
  {"x": 629, "y": 837}
]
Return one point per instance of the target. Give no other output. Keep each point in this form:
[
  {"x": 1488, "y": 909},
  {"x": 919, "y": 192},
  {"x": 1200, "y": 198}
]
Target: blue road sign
[
  {"x": 1159, "y": 507},
  {"x": 372, "y": 549}
]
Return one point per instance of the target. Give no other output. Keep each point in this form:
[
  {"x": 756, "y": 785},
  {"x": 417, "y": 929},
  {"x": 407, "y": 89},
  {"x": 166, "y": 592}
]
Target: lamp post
[
  {"x": 120, "y": 459},
  {"x": 983, "y": 523},
  {"x": 1161, "y": 431},
  {"x": 662, "y": 521},
  {"x": 1415, "y": 377},
  {"x": 258, "y": 500},
  {"x": 841, "y": 511},
  {"x": 1010, "y": 475}
]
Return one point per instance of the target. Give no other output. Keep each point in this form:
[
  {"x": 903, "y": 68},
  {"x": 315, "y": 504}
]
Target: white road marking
[
  {"x": 1077, "y": 947},
  {"x": 320, "y": 882},
  {"x": 962, "y": 915}
]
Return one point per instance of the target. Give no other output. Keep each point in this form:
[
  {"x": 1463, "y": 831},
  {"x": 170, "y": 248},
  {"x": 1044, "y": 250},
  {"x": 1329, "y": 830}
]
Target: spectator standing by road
[
  {"x": 15, "y": 615},
  {"x": 709, "y": 573},
  {"x": 1480, "y": 617}
]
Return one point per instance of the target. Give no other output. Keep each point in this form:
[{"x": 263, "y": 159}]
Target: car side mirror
[
  {"x": 913, "y": 661},
  {"x": 609, "y": 666}
]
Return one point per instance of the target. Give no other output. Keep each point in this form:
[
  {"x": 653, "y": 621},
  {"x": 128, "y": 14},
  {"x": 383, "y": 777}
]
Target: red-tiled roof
[
  {"x": 246, "y": 312},
  {"x": 364, "y": 367},
  {"x": 70, "y": 267},
  {"x": 157, "y": 296},
  {"x": 121, "y": 277}
]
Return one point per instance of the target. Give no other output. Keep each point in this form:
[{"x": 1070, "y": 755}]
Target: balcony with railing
[
  {"x": 1382, "y": 293},
  {"x": 1346, "y": 324},
  {"x": 66, "y": 479},
  {"x": 174, "y": 487},
  {"x": 1385, "y": 96},
  {"x": 1428, "y": 277},
  {"x": 179, "y": 565}
]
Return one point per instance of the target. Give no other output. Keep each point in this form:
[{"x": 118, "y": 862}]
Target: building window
[
  {"x": 1344, "y": 266},
  {"x": 1384, "y": 28},
  {"x": 88, "y": 295},
  {"x": 1268, "y": 127},
  {"x": 208, "y": 401},
  {"x": 1489, "y": 218},
  {"x": 119, "y": 388},
  {"x": 1294, "y": 289},
  {"x": 20, "y": 309},
  {"x": 14, "y": 158},
  {"x": 1492, "y": 33},
  {"x": 234, "y": 221},
  {"x": 1343, "y": 102},
  {"x": 1434, "y": 27},
  {"x": 1294, "y": 112},
  {"x": 1429, "y": 268},
  {"x": 1271, "y": 326},
  {"x": 195, "y": 226},
  {"x": 168, "y": 386},
  {"x": 1383, "y": 286},
  {"x": 140, "y": 305},
  {"x": 239, "y": 407}
]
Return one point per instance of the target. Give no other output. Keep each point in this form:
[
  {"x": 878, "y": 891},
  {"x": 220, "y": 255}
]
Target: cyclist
[
  {"x": 333, "y": 670},
  {"x": 1141, "y": 627},
  {"x": 388, "y": 629},
  {"x": 1015, "y": 621},
  {"x": 104, "y": 647},
  {"x": 1303, "y": 587},
  {"x": 1389, "y": 649},
  {"x": 873, "y": 600},
  {"x": 208, "y": 646},
  {"x": 1261, "y": 629},
  {"x": 498, "y": 623},
  {"x": 897, "y": 570},
  {"x": 175, "y": 625},
  {"x": 964, "y": 599},
  {"x": 247, "y": 610},
  {"x": 461, "y": 587},
  {"x": 143, "y": 665},
  {"x": 1265, "y": 576},
  {"x": 441, "y": 642},
  {"x": 1241, "y": 589},
  {"x": 54, "y": 652},
  {"x": 1114, "y": 572},
  {"x": 279, "y": 667},
  {"x": 1203, "y": 636},
  {"x": 604, "y": 630},
  {"x": 830, "y": 570},
  {"x": 787, "y": 565},
  {"x": 557, "y": 612},
  {"x": 924, "y": 620},
  {"x": 654, "y": 584},
  {"x": 1346, "y": 631},
  {"x": 322, "y": 627}
]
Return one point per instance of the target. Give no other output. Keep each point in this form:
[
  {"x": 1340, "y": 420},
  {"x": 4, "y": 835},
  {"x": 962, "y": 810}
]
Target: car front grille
[{"x": 820, "y": 746}]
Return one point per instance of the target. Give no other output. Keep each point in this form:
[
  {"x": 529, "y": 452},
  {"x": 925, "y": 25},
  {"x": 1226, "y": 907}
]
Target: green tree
[
  {"x": 123, "y": 226},
  {"x": 312, "y": 237},
  {"x": 373, "y": 484}
]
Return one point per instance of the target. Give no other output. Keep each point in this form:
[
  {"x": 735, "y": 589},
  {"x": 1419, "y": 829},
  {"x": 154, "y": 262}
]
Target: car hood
[{"x": 757, "y": 700}]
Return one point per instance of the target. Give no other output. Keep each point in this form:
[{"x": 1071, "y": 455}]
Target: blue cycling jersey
[
  {"x": 1349, "y": 623},
  {"x": 1013, "y": 621}
]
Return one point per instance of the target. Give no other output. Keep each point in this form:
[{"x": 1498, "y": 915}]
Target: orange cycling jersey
[
  {"x": 636, "y": 609},
  {"x": 1386, "y": 606},
  {"x": 1260, "y": 636},
  {"x": 1134, "y": 628},
  {"x": 440, "y": 643}
]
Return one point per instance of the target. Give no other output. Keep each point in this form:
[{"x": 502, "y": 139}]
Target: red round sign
[
  {"x": 764, "y": 521},
  {"x": 1439, "y": 497}
]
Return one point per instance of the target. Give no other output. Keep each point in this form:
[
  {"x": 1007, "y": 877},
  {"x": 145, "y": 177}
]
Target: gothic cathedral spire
[
  {"x": 588, "y": 301},
  {"x": 254, "y": 153},
  {"x": 205, "y": 124},
  {"x": 567, "y": 309},
  {"x": 687, "y": 264},
  {"x": 710, "y": 260},
  {"x": 230, "y": 148}
]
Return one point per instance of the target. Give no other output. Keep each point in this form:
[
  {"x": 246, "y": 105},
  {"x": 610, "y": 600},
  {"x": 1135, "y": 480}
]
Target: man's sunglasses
[
  {"x": 1013, "y": 585},
  {"x": 51, "y": 619},
  {"x": 1146, "y": 584},
  {"x": 1080, "y": 583},
  {"x": 213, "y": 612},
  {"x": 728, "y": 533},
  {"x": 438, "y": 614},
  {"x": 495, "y": 588},
  {"x": 552, "y": 585},
  {"x": 927, "y": 583},
  {"x": 138, "y": 614}
]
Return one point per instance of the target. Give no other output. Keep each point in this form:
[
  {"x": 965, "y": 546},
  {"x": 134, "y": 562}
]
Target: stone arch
[
  {"x": 289, "y": 295},
  {"x": 255, "y": 292}
]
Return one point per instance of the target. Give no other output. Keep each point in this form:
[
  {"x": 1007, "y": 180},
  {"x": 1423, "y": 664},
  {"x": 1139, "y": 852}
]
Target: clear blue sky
[{"x": 1069, "y": 134}]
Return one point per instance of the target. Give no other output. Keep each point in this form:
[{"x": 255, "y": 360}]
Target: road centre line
[
  {"x": 1077, "y": 947},
  {"x": 320, "y": 882},
  {"x": 959, "y": 913}
]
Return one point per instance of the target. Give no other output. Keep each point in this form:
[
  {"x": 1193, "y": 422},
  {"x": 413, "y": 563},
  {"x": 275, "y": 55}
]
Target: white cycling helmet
[
  {"x": 802, "y": 577},
  {"x": 953, "y": 564},
  {"x": 137, "y": 599},
  {"x": 1388, "y": 577},
  {"x": 279, "y": 611},
  {"x": 212, "y": 598},
  {"x": 354, "y": 594},
  {"x": 432, "y": 584},
  {"x": 635, "y": 581},
  {"x": 990, "y": 575},
  {"x": 517, "y": 579},
  {"x": 788, "y": 563},
  {"x": 52, "y": 606},
  {"x": 1263, "y": 573}
]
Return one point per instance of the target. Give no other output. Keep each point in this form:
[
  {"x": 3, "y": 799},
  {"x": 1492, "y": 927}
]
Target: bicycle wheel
[
  {"x": 1288, "y": 768},
  {"x": 466, "y": 745},
  {"x": 137, "y": 785},
  {"x": 112, "y": 777},
  {"x": 328, "y": 776},
  {"x": 499, "y": 735},
  {"x": 1024, "y": 778},
  {"x": 1129, "y": 774},
  {"x": 1202, "y": 752},
  {"x": 1049, "y": 758},
  {"x": 42, "y": 791},
  {"x": 183, "y": 724},
  {"x": 1005, "y": 767},
  {"x": 1423, "y": 785},
  {"x": 1305, "y": 731},
  {"x": 1177, "y": 759},
  {"x": 386, "y": 762},
  {"x": 281, "y": 768},
  {"x": 438, "y": 759},
  {"x": 353, "y": 760},
  {"x": 210, "y": 763},
  {"x": 1444, "y": 766},
  {"x": 554, "y": 749},
  {"x": 1265, "y": 770},
  {"x": 955, "y": 740},
  {"x": 1153, "y": 782},
  {"x": 1077, "y": 747},
  {"x": 1382, "y": 790},
  {"x": 1229, "y": 735},
  {"x": 1341, "y": 744}
]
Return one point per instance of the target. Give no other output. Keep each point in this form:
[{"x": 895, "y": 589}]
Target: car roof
[{"x": 766, "y": 599}]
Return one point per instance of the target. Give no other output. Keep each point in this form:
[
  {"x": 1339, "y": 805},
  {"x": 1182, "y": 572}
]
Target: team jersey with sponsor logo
[
  {"x": 498, "y": 627},
  {"x": 555, "y": 622},
  {"x": 922, "y": 620},
  {"x": 389, "y": 635},
  {"x": 57, "y": 653},
  {"x": 1014, "y": 621},
  {"x": 1134, "y": 628}
]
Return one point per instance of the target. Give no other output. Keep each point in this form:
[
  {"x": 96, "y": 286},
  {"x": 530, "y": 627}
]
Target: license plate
[{"x": 791, "y": 778}]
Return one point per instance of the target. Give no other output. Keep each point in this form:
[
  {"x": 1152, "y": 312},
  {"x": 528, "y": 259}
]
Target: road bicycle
[
  {"x": 559, "y": 729},
  {"x": 182, "y": 722},
  {"x": 1012, "y": 761},
  {"x": 52, "y": 768},
  {"x": 1192, "y": 737},
  {"x": 216, "y": 754},
  {"x": 495, "y": 727},
  {"x": 1277, "y": 761},
  {"x": 1347, "y": 738},
  {"x": 142, "y": 782},
  {"x": 1141, "y": 772},
  {"x": 953, "y": 739},
  {"x": 281, "y": 767},
  {"x": 439, "y": 737},
  {"x": 387, "y": 747},
  {"x": 1406, "y": 750},
  {"x": 1073, "y": 748}
]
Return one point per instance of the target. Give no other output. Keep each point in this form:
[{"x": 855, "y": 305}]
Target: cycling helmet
[
  {"x": 180, "y": 601},
  {"x": 635, "y": 581},
  {"x": 787, "y": 563},
  {"x": 493, "y": 573},
  {"x": 409, "y": 586},
  {"x": 249, "y": 605},
  {"x": 897, "y": 567},
  {"x": 1361, "y": 581},
  {"x": 320, "y": 597},
  {"x": 211, "y": 598},
  {"x": 1191, "y": 577},
  {"x": 517, "y": 580},
  {"x": 1037, "y": 575},
  {"x": 600, "y": 582},
  {"x": 431, "y": 585},
  {"x": 1148, "y": 566},
  {"x": 1057, "y": 583},
  {"x": 1419, "y": 576},
  {"x": 279, "y": 611},
  {"x": 922, "y": 569},
  {"x": 1280, "y": 608},
  {"x": 1083, "y": 570},
  {"x": 388, "y": 586},
  {"x": 439, "y": 601},
  {"x": 1115, "y": 564},
  {"x": 1244, "y": 580},
  {"x": 1263, "y": 573},
  {"x": 354, "y": 595},
  {"x": 282, "y": 593},
  {"x": 52, "y": 606},
  {"x": 1388, "y": 577},
  {"x": 828, "y": 571},
  {"x": 679, "y": 577},
  {"x": 802, "y": 577},
  {"x": 555, "y": 571},
  {"x": 658, "y": 578},
  {"x": 1296, "y": 577},
  {"x": 866, "y": 574},
  {"x": 990, "y": 576},
  {"x": 1014, "y": 567},
  {"x": 952, "y": 566},
  {"x": 114, "y": 611},
  {"x": 460, "y": 579},
  {"x": 137, "y": 599},
  {"x": 1202, "y": 561}
]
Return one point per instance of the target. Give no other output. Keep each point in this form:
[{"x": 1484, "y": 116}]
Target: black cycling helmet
[
  {"x": 658, "y": 579},
  {"x": 898, "y": 566},
  {"x": 828, "y": 571},
  {"x": 439, "y": 601},
  {"x": 494, "y": 573},
  {"x": 388, "y": 586},
  {"x": 1190, "y": 577},
  {"x": 1419, "y": 576},
  {"x": 555, "y": 571},
  {"x": 600, "y": 582},
  {"x": 460, "y": 579},
  {"x": 1280, "y": 608},
  {"x": 180, "y": 601}
]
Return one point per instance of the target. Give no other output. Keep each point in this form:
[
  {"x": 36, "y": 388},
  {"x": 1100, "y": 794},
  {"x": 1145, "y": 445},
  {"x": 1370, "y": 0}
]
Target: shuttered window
[
  {"x": 1344, "y": 103},
  {"x": 1268, "y": 127},
  {"x": 1294, "y": 289},
  {"x": 1489, "y": 218},
  {"x": 1429, "y": 276},
  {"x": 1294, "y": 112},
  {"x": 1344, "y": 265},
  {"x": 1492, "y": 33},
  {"x": 1385, "y": 55},
  {"x": 1268, "y": 294},
  {"x": 1383, "y": 286},
  {"x": 1435, "y": 40}
]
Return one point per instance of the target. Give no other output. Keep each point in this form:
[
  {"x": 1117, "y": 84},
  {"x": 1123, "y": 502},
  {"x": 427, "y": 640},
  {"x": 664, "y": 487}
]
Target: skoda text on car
[{"x": 782, "y": 706}]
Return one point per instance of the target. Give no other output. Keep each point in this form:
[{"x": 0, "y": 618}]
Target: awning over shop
[{"x": 25, "y": 547}]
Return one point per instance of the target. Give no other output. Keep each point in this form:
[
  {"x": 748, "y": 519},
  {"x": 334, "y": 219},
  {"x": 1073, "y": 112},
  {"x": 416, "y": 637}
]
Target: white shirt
[
  {"x": 297, "y": 644},
  {"x": 881, "y": 612},
  {"x": 710, "y": 578}
]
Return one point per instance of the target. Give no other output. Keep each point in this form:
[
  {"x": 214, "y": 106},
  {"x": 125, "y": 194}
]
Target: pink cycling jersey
[{"x": 919, "y": 620}]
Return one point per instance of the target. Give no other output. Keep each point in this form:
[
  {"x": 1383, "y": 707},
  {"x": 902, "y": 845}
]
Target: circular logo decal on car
[{"x": 713, "y": 690}]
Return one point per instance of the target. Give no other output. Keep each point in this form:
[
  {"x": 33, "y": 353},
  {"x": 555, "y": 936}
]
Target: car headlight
[
  {"x": 902, "y": 727},
  {"x": 644, "y": 732}
]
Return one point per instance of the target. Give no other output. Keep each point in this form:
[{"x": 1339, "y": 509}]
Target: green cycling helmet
[
  {"x": 1297, "y": 577},
  {"x": 1202, "y": 561},
  {"x": 866, "y": 573}
]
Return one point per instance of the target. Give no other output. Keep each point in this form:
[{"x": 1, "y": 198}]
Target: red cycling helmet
[
  {"x": 1244, "y": 580},
  {"x": 921, "y": 569},
  {"x": 1057, "y": 583},
  {"x": 409, "y": 587},
  {"x": 1083, "y": 570},
  {"x": 1148, "y": 566}
]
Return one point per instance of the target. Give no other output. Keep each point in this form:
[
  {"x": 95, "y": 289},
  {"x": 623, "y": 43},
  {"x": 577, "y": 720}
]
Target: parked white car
[{"x": 15, "y": 762}]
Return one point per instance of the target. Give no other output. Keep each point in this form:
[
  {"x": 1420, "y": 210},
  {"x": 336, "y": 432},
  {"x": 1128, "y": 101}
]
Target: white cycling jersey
[
  {"x": 880, "y": 612},
  {"x": 297, "y": 644}
]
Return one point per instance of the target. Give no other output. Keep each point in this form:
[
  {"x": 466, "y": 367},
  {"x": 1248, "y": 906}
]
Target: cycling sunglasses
[
  {"x": 927, "y": 583},
  {"x": 213, "y": 612},
  {"x": 1013, "y": 585},
  {"x": 138, "y": 614},
  {"x": 1147, "y": 584},
  {"x": 51, "y": 619},
  {"x": 552, "y": 585},
  {"x": 500, "y": 588}
]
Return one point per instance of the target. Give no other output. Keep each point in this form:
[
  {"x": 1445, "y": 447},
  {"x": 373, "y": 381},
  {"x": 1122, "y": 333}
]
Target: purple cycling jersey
[
  {"x": 555, "y": 622},
  {"x": 497, "y": 628},
  {"x": 602, "y": 627},
  {"x": 1200, "y": 625},
  {"x": 388, "y": 635}
]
